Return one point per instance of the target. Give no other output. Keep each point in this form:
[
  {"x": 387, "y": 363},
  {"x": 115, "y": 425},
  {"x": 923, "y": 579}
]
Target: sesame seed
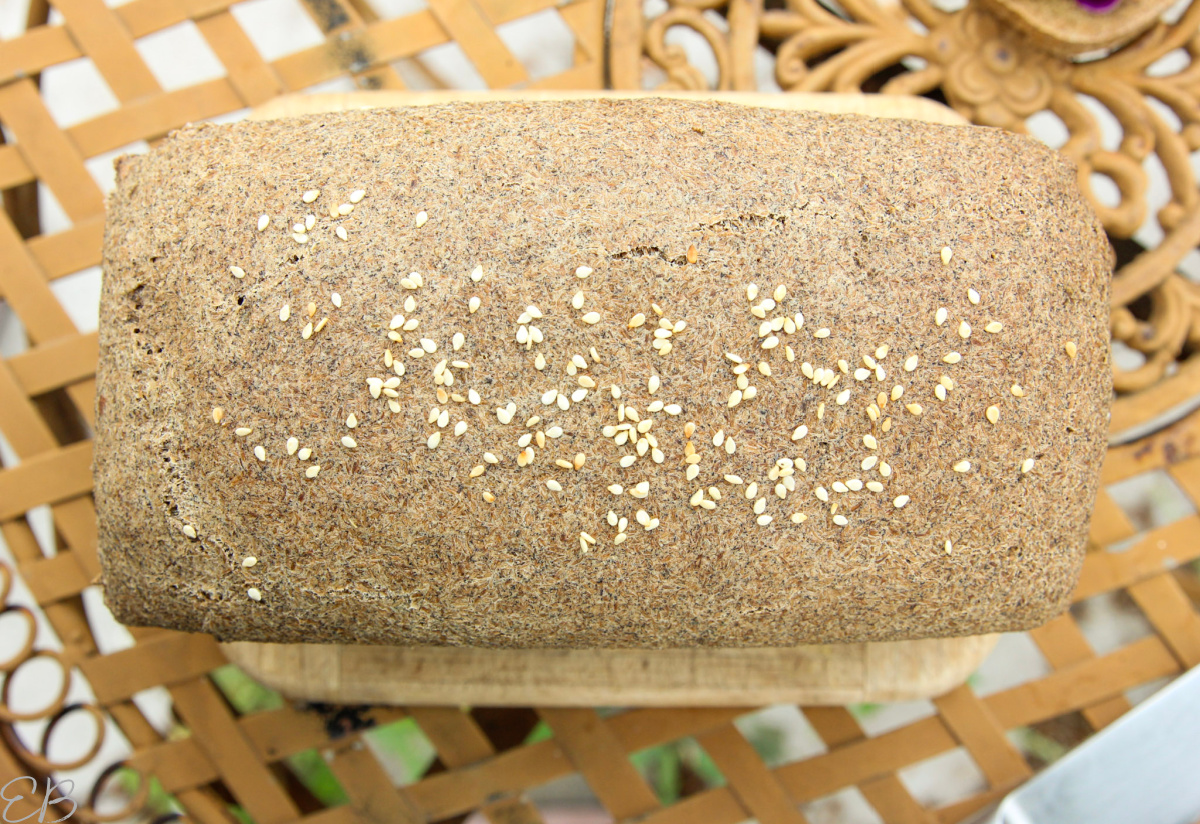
[
  {"x": 962, "y": 466},
  {"x": 946, "y": 381},
  {"x": 854, "y": 484},
  {"x": 953, "y": 357},
  {"x": 947, "y": 253},
  {"x": 312, "y": 471},
  {"x": 321, "y": 325},
  {"x": 292, "y": 446},
  {"x": 299, "y": 238},
  {"x": 342, "y": 210},
  {"x": 490, "y": 458},
  {"x": 553, "y": 485},
  {"x": 237, "y": 271},
  {"x": 307, "y": 331},
  {"x": 241, "y": 431},
  {"x": 642, "y": 517},
  {"x": 993, "y": 413},
  {"x": 253, "y": 594},
  {"x": 1026, "y": 465},
  {"x": 843, "y": 397},
  {"x": 799, "y": 432},
  {"x": 310, "y": 195},
  {"x": 189, "y": 531},
  {"x": 692, "y": 254},
  {"x": 770, "y": 343},
  {"x": 421, "y": 219},
  {"x": 260, "y": 452},
  {"x": 304, "y": 454},
  {"x": 861, "y": 374},
  {"x": 1017, "y": 390},
  {"x": 349, "y": 442},
  {"x": 457, "y": 341},
  {"x": 798, "y": 517},
  {"x": 870, "y": 442},
  {"x": 591, "y": 318},
  {"x": 594, "y": 354},
  {"x": 763, "y": 520},
  {"x": 760, "y": 506},
  {"x": 640, "y": 490},
  {"x": 840, "y": 520},
  {"x": 525, "y": 440},
  {"x": 299, "y": 228},
  {"x": 488, "y": 496},
  {"x": 821, "y": 410},
  {"x": 822, "y": 333},
  {"x": 263, "y": 222},
  {"x": 583, "y": 271},
  {"x": 428, "y": 345},
  {"x": 735, "y": 397},
  {"x": 459, "y": 428},
  {"x": 973, "y": 296},
  {"x": 940, "y": 317},
  {"x": 838, "y": 486},
  {"x": 869, "y": 462},
  {"x": 340, "y": 231},
  {"x": 875, "y": 486},
  {"x": 434, "y": 440},
  {"x": 1071, "y": 348},
  {"x": 900, "y": 501},
  {"x": 940, "y": 392},
  {"x": 897, "y": 392},
  {"x": 915, "y": 408},
  {"x": 964, "y": 330},
  {"x": 994, "y": 327},
  {"x": 885, "y": 469},
  {"x": 822, "y": 494}
]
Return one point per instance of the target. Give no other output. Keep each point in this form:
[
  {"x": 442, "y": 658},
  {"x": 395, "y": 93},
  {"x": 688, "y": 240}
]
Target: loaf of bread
[{"x": 635, "y": 373}]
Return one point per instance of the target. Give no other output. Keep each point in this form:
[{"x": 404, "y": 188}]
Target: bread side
[{"x": 675, "y": 207}]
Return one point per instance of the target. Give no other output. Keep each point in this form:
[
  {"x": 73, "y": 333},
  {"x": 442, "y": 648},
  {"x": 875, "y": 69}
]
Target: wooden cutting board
[{"x": 821, "y": 674}]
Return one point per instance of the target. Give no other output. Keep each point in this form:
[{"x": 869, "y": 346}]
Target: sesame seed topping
[
  {"x": 840, "y": 520},
  {"x": 993, "y": 413},
  {"x": 947, "y": 253},
  {"x": 994, "y": 327},
  {"x": 973, "y": 296},
  {"x": 311, "y": 195},
  {"x": 874, "y": 486},
  {"x": 821, "y": 410},
  {"x": 822, "y": 494},
  {"x": 838, "y": 486},
  {"x": 340, "y": 231},
  {"x": 237, "y": 271},
  {"x": 253, "y": 594},
  {"x": 421, "y": 219},
  {"x": 263, "y": 222},
  {"x": 799, "y": 432},
  {"x": 477, "y": 470},
  {"x": 488, "y": 496},
  {"x": 312, "y": 471},
  {"x": 946, "y": 381},
  {"x": 459, "y": 428},
  {"x": 897, "y": 392},
  {"x": 349, "y": 442},
  {"x": 760, "y": 506},
  {"x": 885, "y": 469},
  {"x": 1071, "y": 348},
  {"x": 869, "y": 462},
  {"x": 299, "y": 238},
  {"x": 962, "y": 466},
  {"x": 260, "y": 452},
  {"x": 321, "y": 325},
  {"x": 763, "y": 520},
  {"x": 1017, "y": 390},
  {"x": 307, "y": 331},
  {"x": 953, "y": 357},
  {"x": 940, "y": 392},
  {"x": 798, "y": 517},
  {"x": 640, "y": 490},
  {"x": 870, "y": 442},
  {"x": 854, "y": 485},
  {"x": 591, "y": 318},
  {"x": 915, "y": 408},
  {"x": 940, "y": 316},
  {"x": 434, "y": 440},
  {"x": 249, "y": 561},
  {"x": 822, "y": 333},
  {"x": 304, "y": 454},
  {"x": 553, "y": 485},
  {"x": 189, "y": 531},
  {"x": 964, "y": 330},
  {"x": 843, "y": 397},
  {"x": 900, "y": 501},
  {"x": 1026, "y": 465},
  {"x": 242, "y": 431}
]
